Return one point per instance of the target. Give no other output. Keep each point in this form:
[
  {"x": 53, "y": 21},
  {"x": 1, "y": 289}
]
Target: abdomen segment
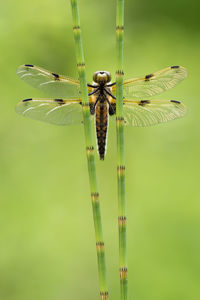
[{"x": 101, "y": 127}]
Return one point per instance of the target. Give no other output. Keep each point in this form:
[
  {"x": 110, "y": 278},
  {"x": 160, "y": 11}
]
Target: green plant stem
[
  {"x": 120, "y": 152},
  {"x": 90, "y": 152}
]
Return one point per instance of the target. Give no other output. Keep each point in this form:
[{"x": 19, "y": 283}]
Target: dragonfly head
[{"x": 102, "y": 77}]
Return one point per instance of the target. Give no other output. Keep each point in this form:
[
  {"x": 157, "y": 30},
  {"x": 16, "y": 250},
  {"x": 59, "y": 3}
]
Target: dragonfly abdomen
[{"x": 101, "y": 127}]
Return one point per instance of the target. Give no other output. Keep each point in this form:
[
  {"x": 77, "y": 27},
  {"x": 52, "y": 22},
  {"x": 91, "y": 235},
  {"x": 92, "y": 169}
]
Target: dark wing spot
[
  {"x": 60, "y": 101},
  {"x": 55, "y": 75},
  {"x": 175, "y": 67},
  {"x": 26, "y": 100},
  {"x": 147, "y": 77},
  {"x": 143, "y": 102},
  {"x": 31, "y": 66},
  {"x": 175, "y": 101},
  {"x": 112, "y": 109}
]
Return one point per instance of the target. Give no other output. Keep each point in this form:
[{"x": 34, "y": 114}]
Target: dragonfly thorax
[{"x": 102, "y": 77}]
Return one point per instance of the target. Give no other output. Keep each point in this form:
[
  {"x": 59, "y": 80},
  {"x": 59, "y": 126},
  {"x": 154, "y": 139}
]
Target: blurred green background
[{"x": 47, "y": 240}]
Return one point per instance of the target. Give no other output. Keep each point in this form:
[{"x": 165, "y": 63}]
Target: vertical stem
[
  {"x": 120, "y": 152},
  {"x": 90, "y": 152}
]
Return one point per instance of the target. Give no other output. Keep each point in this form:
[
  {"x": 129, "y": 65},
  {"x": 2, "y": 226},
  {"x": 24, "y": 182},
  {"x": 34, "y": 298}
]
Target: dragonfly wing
[
  {"x": 50, "y": 83},
  {"x": 54, "y": 111},
  {"x": 150, "y": 112},
  {"x": 153, "y": 84}
]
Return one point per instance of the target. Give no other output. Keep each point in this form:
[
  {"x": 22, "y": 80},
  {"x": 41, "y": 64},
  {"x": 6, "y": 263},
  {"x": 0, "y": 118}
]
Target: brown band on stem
[
  {"x": 119, "y": 73},
  {"x": 76, "y": 28},
  {"x": 123, "y": 273},
  {"x": 122, "y": 220},
  {"x": 120, "y": 28},
  {"x": 85, "y": 105},
  {"x": 120, "y": 170},
  {"x": 81, "y": 65},
  {"x": 104, "y": 295},
  {"x": 90, "y": 150},
  {"x": 119, "y": 120},
  {"x": 95, "y": 197},
  {"x": 100, "y": 246}
]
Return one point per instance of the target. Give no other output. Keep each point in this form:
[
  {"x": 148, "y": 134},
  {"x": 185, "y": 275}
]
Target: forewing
[
  {"x": 150, "y": 112},
  {"x": 153, "y": 84},
  {"x": 50, "y": 83},
  {"x": 54, "y": 111}
]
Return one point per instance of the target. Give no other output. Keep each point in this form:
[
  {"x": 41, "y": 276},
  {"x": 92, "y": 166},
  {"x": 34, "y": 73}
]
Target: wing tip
[
  {"x": 21, "y": 68},
  {"x": 19, "y": 106},
  {"x": 183, "y": 69},
  {"x": 181, "y": 106}
]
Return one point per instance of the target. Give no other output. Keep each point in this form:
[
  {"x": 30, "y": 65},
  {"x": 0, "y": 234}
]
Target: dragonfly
[{"x": 65, "y": 108}]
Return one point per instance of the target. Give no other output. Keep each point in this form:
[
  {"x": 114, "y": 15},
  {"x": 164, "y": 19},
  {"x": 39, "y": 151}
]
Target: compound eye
[
  {"x": 95, "y": 76},
  {"x": 108, "y": 76}
]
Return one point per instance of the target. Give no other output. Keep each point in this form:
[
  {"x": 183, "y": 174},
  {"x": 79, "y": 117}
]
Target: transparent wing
[
  {"x": 50, "y": 83},
  {"x": 150, "y": 112},
  {"x": 55, "y": 111},
  {"x": 153, "y": 84}
]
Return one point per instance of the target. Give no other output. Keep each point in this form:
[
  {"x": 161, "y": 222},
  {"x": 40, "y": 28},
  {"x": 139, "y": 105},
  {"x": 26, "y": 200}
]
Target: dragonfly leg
[
  {"x": 91, "y": 85},
  {"x": 111, "y": 84},
  {"x": 93, "y": 92},
  {"x": 110, "y": 94}
]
